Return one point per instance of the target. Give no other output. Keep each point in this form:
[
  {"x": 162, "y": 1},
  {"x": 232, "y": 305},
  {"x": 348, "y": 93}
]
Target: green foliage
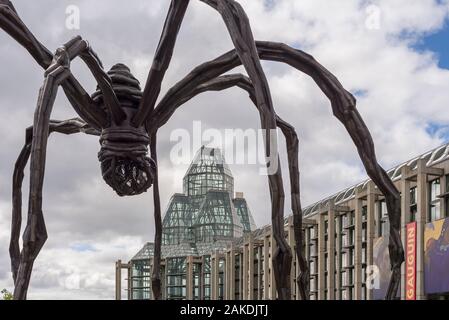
[{"x": 6, "y": 295}]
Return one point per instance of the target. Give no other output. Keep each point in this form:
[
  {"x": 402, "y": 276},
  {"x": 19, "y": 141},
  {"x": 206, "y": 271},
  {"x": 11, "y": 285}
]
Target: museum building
[{"x": 212, "y": 250}]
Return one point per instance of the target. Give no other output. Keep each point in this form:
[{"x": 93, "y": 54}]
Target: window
[
  {"x": 313, "y": 233},
  {"x": 383, "y": 225},
  {"x": 352, "y": 237},
  {"x": 326, "y": 263},
  {"x": 446, "y": 197},
  {"x": 312, "y": 267},
  {"x": 351, "y": 257},
  {"x": 221, "y": 279},
  {"x": 206, "y": 278},
  {"x": 343, "y": 242},
  {"x": 364, "y": 255},
  {"x": 413, "y": 204},
  {"x": 345, "y": 295},
  {"x": 364, "y": 233},
  {"x": 344, "y": 260},
  {"x": 364, "y": 223},
  {"x": 196, "y": 281},
  {"x": 141, "y": 280},
  {"x": 237, "y": 277},
  {"x": 176, "y": 279},
  {"x": 351, "y": 277},
  {"x": 435, "y": 203},
  {"x": 363, "y": 297},
  {"x": 351, "y": 221}
]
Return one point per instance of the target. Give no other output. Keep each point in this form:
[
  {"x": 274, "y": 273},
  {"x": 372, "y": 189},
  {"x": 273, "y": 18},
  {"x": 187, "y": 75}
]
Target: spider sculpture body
[
  {"x": 127, "y": 120},
  {"x": 125, "y": 164}
]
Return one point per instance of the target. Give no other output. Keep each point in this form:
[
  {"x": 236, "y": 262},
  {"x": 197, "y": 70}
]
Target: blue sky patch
[
  {"x": 269, "y": 4},
  {"x": 359, "y": 93},
  {"x": 83, "y": 247},
  {"x": 437, "y": 42},
  {"x": 438, "y": 130}
]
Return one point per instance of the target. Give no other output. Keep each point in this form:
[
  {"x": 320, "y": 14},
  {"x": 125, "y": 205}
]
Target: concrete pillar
[
  {"x": 250, "y": 252},
  {"x": 202, "y": 282},
  {"x": 291, "y": 243},
  {"x": 272, "y": 280},
  {"x": 443, "y": 206},
  {"x": 212, "y": 277},
  {"x": 297, "y": 271},
  {"x": 307, "y": 240},
  {"x": 232, "y": 274},
  {"x": 245, "y": 266},
  {"x": 321, "y": 262},
  {"x": 358, "y": 280},
  {"x": 189, "y": 278},
  {"x": 266, "y": 268},
  {"x": 118, "y": 280},
  {"x": 241, "y": 276},
  {"x": 405, "y": 217},
  {"x": 370, "y": 227},
  {"x": 215, "y": 260},
  {"x": 339, "y": 270},
  {"x": 227, "y": 275},
  {"x": 130, "y": 282},
  {"x": 421, "y": 219},
  {"x": 331, "y": 251},
  {"x": 260, "y": 273}
]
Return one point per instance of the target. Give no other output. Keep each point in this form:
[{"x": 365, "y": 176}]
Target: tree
[{"x": 6, "y": 295}]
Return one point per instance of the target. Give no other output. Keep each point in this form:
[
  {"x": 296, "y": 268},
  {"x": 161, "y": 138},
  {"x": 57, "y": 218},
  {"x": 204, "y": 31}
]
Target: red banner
[{"x": 410, "y": 262}]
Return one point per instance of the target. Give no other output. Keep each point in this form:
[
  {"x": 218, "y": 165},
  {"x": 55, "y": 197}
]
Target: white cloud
[{"x": 404, "y": 91}]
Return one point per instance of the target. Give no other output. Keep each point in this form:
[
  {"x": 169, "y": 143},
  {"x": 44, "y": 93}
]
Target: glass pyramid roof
[
  {"x": 244, "y": 214},
  {"x": 208, "y": 171},
  {"x": 205, "y": 217}
]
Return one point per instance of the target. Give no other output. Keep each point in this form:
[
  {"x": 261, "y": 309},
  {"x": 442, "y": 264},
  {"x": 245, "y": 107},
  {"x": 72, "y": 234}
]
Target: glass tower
[{"x": 205, "y": 218}]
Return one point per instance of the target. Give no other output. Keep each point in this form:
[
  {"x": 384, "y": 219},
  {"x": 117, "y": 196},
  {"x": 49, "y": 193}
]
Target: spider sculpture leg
[
  {"x": 77, "y": 96},
  {"x": 67, "y": 127},
  {"x": 35, "y": 233},
  {"x": 81, "y": 47},
  {"x": 292, "y": 141},
  {"x": 161, "y": 61},
  {"x": 241, "y": 34},
  {"x": 240, "y": 31},
  {"x": 156, "y": 271},
  {"x": 343, "y": 107}
]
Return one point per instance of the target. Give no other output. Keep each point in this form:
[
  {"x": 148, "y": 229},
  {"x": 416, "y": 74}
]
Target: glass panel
[
  {"x": 176, "y": 278},
  {"x": 435, "y": 203},
  {"x": 141, "y": 280}
]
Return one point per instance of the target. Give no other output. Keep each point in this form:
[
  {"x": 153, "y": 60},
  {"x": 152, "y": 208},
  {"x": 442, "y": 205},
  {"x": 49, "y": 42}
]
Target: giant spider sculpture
[{"x": 127, "y": 120}]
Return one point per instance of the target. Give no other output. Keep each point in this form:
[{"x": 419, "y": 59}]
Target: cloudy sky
[{"x": 392, "y": 54}]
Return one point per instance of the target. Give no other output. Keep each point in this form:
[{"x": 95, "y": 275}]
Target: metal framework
[
  {"x": 177, "y": 221},
  {"x": 128, "y": 119},
  {"x": 206, "y": 212},
  {"x": 244, "y": 214}
]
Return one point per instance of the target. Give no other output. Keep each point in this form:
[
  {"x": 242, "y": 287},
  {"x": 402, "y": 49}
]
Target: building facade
[{"x": 346, "y": 245}]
